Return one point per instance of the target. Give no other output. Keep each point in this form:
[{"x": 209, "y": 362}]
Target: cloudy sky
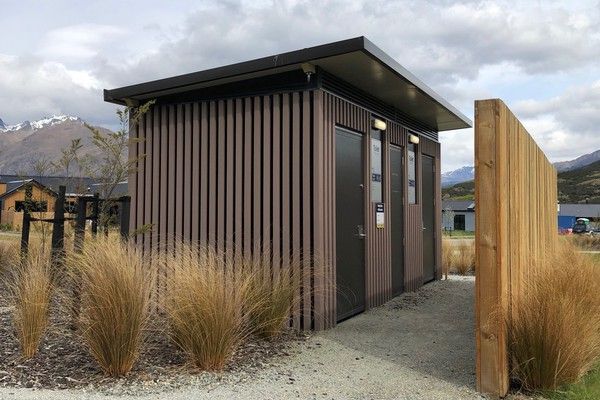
[{"x": 541, "y": 57}]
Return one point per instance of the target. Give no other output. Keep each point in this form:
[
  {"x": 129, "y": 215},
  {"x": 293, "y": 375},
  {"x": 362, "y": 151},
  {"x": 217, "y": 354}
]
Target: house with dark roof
[{"x": 458, "y": 215}]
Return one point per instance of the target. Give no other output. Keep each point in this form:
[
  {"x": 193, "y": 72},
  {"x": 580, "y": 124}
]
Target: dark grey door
[
  {"x": 397, "y": 217},
  {"x": 350, "y": 233},
  {"x": 428, "y": 204}
]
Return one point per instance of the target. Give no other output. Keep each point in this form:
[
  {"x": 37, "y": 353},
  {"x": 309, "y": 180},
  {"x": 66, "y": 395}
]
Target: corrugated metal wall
[{"x": 255, "y": 173}]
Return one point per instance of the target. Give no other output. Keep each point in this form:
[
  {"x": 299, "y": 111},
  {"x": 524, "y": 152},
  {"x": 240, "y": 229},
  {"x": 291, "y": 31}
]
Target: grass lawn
[
  {"x": 587, "y": 389},
  {"x": 458, "y": 234}
]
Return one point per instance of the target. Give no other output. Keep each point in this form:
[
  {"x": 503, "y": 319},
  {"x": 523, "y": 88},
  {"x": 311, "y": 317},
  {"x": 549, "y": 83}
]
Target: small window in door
[{"x": 412, "y": 174}]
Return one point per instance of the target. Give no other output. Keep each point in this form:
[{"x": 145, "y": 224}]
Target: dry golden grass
[
  {"x": 206, "y": 305},
  {"x": 585, "y": 242},
  {"x": 458, "y": 258},
  {"x": 555, "y": 331},
  {"x": 115, "y": 301},
  {"x": 31, "y": 290},
  {"x": 271, "y": 301}
]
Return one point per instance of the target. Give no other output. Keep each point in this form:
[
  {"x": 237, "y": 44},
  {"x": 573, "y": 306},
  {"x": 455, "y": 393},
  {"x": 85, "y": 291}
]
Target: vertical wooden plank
[
  {"x": 164, "y": 173},
  {"x": 204, "y": 156},
  {"x": 156, "y": 150},
  {"x": 239, "y": 178},
  {"x": 221, "y": 201},
  {"x": 171, "y": 179},
  {"x": 141, "y": 194},
  {"x": 256, "y": 180},
  {"x": 295, "y": 207},
  {"x": 247, "y": 178},
  {"x": 187, "y": 173},
  {"x": 285, "y": 183},
  {"x": 179, "y": 174},
  {"x": 195, "y": 200},
  {"x": 318, "y": 206},
  {"x": 306, "y": 210},
  {"x": 276, "y": 184},
  {"x": 230, "y": 180},
  {"x": 148, "y": 179},
  {"x": 212, "y": 174},
  {"x": 132, "y": 179},
  {"x": 266, "y": 186}
]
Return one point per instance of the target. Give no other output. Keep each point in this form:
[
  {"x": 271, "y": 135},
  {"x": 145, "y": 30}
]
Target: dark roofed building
[{"x": 328, "y": 154}]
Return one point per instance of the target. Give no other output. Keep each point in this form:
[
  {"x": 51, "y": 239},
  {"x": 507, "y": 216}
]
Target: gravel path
[{"x": 418, "y": 346}]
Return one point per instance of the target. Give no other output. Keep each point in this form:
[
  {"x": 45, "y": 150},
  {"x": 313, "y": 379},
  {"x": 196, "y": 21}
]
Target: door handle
[{"x": 360, "y": 232}]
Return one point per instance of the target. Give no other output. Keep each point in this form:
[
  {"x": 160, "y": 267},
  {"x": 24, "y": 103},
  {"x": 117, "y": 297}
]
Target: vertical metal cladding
[
  {"x": 257, "y": 174},
  {"x": 239, "y": 175}
]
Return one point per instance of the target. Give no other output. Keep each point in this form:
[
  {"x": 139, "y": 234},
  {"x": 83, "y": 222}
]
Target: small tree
[
  {"x": 112, "y": 165},
  {"x": 448, "y": 219}
]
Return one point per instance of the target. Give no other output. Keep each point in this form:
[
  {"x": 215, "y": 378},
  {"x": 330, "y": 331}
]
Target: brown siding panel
[{"x": 257, "y": 175}]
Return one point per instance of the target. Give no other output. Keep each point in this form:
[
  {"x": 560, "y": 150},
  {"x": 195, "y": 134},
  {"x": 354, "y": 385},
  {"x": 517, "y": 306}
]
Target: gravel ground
[{"x": 418, "y": 346}]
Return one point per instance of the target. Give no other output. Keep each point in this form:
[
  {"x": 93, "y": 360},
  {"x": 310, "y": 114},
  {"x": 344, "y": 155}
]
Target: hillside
[
  {"x": 574, "y": 186},
  {"x": 24, "y": 145}
]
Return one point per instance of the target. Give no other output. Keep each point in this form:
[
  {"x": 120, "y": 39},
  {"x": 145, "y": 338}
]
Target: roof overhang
[{"x": 356, "y": 61}]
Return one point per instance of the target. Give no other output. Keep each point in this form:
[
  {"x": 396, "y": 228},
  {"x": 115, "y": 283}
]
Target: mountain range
[
  {"x": 467, "y": 173},
  {"x": 575, "y": 185},
  {"x": 27, "y": 147}
]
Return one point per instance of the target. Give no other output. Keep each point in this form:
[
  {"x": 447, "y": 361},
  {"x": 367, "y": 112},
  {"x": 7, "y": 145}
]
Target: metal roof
[
  {"x": 458, "y": 205},
  {"x": 357, "y": 61},
  {"x": 580, "y": 210},
  {"x": 75, "y": 186}
]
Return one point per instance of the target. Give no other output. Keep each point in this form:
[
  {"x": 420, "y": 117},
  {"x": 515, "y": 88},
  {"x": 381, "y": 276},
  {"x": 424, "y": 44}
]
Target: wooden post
[
  {"x": 26, "y": 221},
  {"x": 124, "y": 217},
  {"x": 95, "y": 211},
  {"x": 78, "y": 248},
  {"x": 58, "y": 232}
]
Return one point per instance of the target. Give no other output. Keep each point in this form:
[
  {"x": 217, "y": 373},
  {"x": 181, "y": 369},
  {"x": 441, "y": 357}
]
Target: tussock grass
[
  {"x": 115, "y": 283},
  {"x": 214, "y": 302},
  {"x": 31, "y": 291},
  {"x": 458, "y": 258},
  {"x": 205, "y": 304},
  {"x": 554, "y": 334},
  {"x": 271, "y": 300},
  {"x": 585, "y": 242}
]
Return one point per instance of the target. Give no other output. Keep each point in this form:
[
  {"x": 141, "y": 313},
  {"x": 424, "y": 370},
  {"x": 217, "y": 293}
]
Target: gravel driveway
[{"x": 418, "y": 346}]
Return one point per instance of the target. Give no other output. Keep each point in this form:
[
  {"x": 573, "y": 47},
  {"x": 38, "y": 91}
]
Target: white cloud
[{"x": 464, "y": 50}]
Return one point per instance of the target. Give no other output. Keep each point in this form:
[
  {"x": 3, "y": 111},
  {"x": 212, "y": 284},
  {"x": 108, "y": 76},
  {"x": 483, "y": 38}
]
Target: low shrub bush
[
  {"x": 31, "y": 290},
  {"x": 554, "y": 334},
  {"x": 115, "y": 281}
]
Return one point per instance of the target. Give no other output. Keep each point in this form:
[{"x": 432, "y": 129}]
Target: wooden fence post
[
  {"x": 26, "y": 221},
  {"x": 124, "y": 217},
  {"x": 58, "y": 231},
  {"x": 78, "y": 248},
  {"x": 95, "y": 210}
]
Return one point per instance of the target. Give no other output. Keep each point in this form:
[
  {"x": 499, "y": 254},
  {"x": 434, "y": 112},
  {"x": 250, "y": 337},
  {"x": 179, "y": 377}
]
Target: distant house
[
  {"x": 458, "y": 215},
  {"x": 12, "y": 200},
  {"x": 44, "y": 193},
  {"x": 568, "y": 214}
]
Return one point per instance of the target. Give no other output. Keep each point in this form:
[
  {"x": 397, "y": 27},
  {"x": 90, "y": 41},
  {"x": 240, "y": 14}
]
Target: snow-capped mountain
[
  {"x": 37, "y": 125},
  {"x": 463, "y": 174},
  {"x": 28, "y": 146}
]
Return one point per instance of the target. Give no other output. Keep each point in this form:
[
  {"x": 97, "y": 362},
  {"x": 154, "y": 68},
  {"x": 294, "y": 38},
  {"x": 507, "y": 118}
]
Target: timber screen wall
[{"x": 516, "y": 219}]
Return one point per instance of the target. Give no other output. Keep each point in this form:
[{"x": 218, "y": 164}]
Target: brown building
[
  {"x": 329, "y": 153},
  {"x": 12, "y": 200}
]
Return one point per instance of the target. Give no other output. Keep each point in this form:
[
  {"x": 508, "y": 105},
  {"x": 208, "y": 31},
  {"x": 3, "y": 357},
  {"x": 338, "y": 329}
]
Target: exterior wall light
[
  {"x": 414, "y": 139},
  {"x": 379, "y": 124}
]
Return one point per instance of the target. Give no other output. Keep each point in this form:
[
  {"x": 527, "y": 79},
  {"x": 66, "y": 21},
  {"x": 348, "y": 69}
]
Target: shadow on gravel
[{"x": 431, "y": 331}]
